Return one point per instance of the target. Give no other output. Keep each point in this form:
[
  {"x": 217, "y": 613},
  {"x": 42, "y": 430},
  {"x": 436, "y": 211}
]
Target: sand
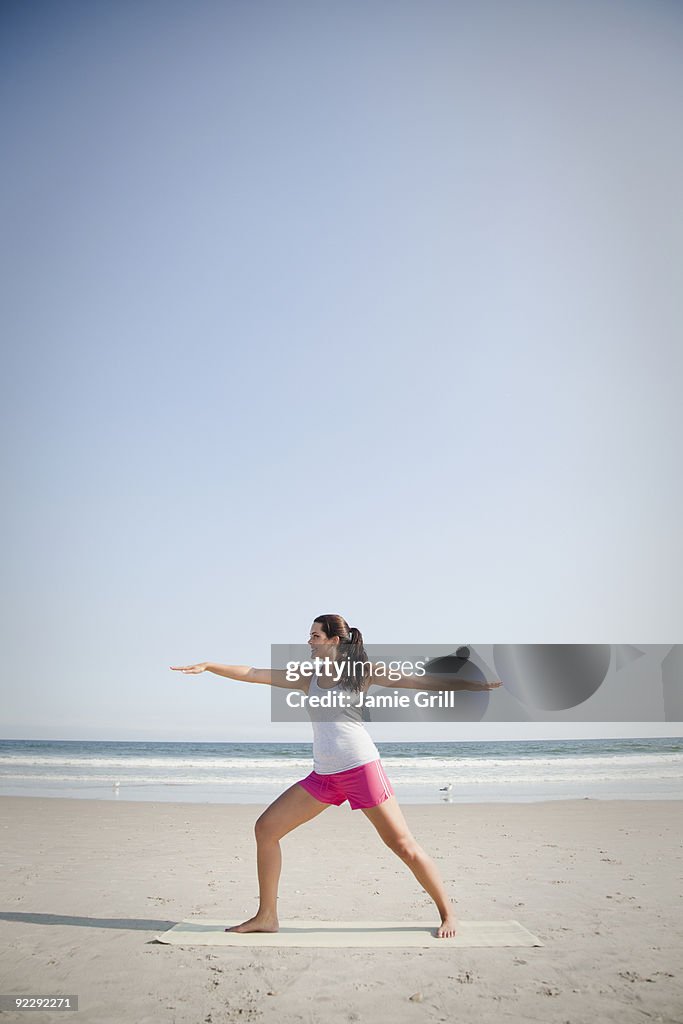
[{"x": 88, "y": 884}]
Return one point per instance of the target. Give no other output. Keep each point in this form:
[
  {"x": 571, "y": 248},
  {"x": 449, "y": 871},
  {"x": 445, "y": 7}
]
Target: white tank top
[{"x": 340, "y": 740}]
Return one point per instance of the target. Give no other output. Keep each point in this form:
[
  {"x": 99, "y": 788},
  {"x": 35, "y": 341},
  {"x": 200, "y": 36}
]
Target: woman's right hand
[{"x": 190, "y": 669}]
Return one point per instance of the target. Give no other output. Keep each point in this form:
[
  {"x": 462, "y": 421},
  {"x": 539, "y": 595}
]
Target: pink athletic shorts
[{"x": 364, "y": 786}]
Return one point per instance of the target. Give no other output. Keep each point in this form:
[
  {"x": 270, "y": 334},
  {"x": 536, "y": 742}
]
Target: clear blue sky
[{"x": 370, "y": 308}]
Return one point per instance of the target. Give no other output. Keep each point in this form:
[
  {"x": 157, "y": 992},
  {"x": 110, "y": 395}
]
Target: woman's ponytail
[{"x": 351, "y": 649}]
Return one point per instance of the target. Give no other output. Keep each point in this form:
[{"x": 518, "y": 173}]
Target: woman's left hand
[{"x": 470, "y": 685}]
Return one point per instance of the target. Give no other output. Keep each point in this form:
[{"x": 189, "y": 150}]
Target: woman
[{"x": 347, "y": 765}]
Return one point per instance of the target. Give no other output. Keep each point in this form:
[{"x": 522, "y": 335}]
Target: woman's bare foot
[
  {"x": 257, "y": 923},
  {"x": 448, "y": 928}
]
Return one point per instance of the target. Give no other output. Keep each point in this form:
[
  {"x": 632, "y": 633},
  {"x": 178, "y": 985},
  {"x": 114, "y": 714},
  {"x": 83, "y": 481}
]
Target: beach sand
[{"x": 88, "y": 884}]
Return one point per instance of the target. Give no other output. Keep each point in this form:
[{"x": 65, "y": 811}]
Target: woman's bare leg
[
  {"x": 292, "y": 808},
  {"x": 388, "y": 819}
]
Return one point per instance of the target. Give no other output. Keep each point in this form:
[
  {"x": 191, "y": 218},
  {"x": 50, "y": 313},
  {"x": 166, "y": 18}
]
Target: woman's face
[{"x": 320, "y": 644}]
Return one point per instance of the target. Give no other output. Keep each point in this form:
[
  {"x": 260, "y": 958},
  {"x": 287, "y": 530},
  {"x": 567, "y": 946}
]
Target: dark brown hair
[{"x": 351, "y": 649}]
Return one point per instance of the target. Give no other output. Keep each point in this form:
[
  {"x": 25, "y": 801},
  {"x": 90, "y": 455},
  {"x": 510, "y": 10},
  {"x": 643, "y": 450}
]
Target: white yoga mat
[{"x": 300, "y": 932}]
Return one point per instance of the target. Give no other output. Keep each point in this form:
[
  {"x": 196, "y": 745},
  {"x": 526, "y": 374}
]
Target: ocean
[{"x": 424, "y": 773}]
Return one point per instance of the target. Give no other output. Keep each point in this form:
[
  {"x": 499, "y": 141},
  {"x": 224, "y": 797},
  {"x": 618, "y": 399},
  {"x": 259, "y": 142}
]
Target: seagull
[
  {"x": 116, "y": 785},
  {"x": 446, "y": 789}
]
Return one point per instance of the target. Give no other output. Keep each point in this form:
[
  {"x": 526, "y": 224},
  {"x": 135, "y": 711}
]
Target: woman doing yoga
[{"x": 347, "y": 766}]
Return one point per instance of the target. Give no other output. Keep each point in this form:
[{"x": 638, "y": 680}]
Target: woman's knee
[
  {"x": 264, "y": 827},
  {"x": 404, "y": 847}
]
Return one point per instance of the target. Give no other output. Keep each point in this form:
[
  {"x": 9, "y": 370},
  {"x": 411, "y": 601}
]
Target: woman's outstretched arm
[
  {"x": 244, "y": 673},
  {"x": 430, "y": 682}
]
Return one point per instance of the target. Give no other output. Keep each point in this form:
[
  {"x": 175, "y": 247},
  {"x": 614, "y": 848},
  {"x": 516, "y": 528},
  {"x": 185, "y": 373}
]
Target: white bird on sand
[
  {"x": 116, "y": 785},
  {"x": 446, "y": 789}
]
